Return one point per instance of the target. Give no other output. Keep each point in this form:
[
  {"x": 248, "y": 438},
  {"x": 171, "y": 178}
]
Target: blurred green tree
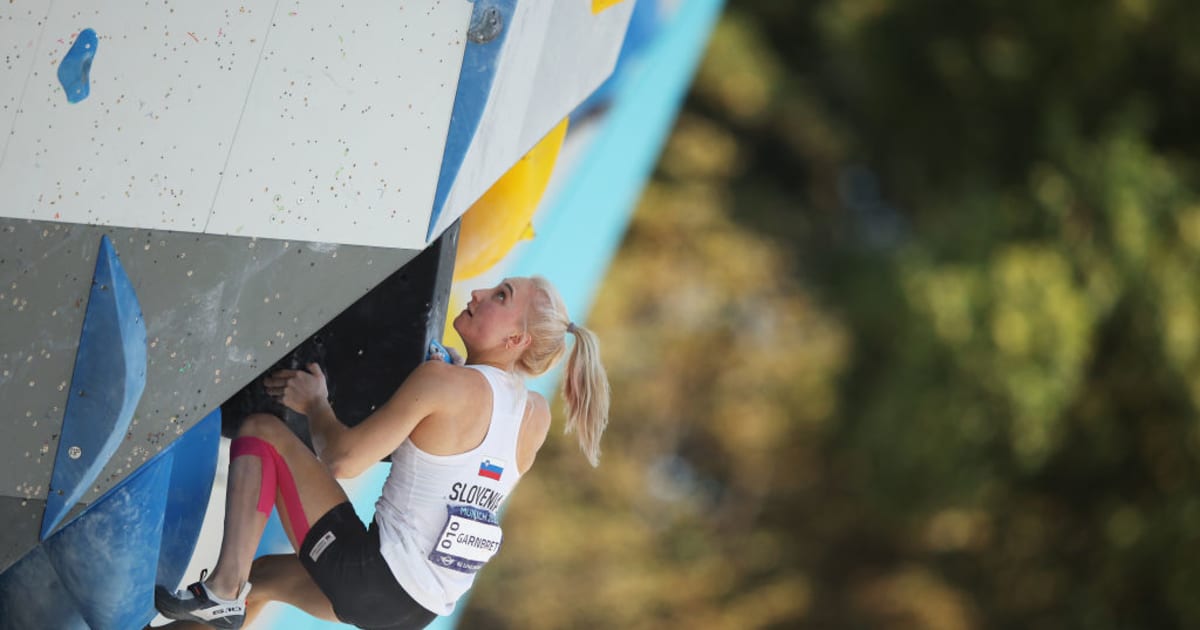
[{"x": 905, "y": 334}]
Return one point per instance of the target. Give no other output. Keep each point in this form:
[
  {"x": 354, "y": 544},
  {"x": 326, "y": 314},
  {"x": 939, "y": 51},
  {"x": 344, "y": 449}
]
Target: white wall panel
[
  {"x": 579, "y": 54},
  {"x": 557, "y": 53},
  {"x": 21, "y": 23},
  {"x": 345, "y": 125},
  {"x": 291, "y": 119},
  {"x": 147, "y": 147}
]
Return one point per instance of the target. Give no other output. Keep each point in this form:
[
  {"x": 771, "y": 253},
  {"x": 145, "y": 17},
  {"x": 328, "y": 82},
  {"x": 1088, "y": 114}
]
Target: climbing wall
[
  {"x": 290, "y": 120},
  {"x": 213, "y": 183},
  {"x": 285, "y": 119},
  {"x": 217, "y": 311},
  {"x": 517, "y": 83}
]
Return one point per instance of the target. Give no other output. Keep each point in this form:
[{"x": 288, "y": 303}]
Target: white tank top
[{"x": 437, "y": 515}]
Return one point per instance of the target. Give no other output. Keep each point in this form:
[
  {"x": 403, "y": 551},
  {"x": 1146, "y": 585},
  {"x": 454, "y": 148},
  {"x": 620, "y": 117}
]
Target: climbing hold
[
  {"x": 600, "y": 5},
  {"x": 485, "y": 25},
  {"x": 439, "y": 351},
  {"x": 107, "y": 559},
  {"x": 109, "y": 378},
  {"x": 500, "y": 218},
  {"x": 193, "y": 468},
  {"x": 77, "y": 65}
]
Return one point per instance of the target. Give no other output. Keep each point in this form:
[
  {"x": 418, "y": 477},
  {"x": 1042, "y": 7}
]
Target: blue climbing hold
[
  {"x": 438, "y": 350},
  {"x": 107, "y": 559},
  {"x": 98, "y": 571},
  {"x": 193, "y": 468},
  {"x": 33, "y": 596},
  {"x": 77, "y": 65},
  {"x": 108, "y": 381}
]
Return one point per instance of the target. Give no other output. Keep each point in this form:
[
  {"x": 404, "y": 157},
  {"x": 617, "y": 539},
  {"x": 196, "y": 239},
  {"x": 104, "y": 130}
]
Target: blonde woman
[{"x": 459, "y": 437}]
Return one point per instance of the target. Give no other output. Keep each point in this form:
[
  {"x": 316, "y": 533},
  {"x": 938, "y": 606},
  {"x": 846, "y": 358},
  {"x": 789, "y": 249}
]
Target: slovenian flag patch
[{"x": 491, "y": 468}]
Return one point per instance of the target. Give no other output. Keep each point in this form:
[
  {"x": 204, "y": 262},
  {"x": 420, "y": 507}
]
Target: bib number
[{"x": 470, "y": 538}]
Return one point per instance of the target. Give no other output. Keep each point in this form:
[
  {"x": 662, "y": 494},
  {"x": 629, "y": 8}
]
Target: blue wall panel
[{"x": 489, "y": 24}]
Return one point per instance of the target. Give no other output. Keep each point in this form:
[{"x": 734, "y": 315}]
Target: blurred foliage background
[{"x": 905, "y": 334}]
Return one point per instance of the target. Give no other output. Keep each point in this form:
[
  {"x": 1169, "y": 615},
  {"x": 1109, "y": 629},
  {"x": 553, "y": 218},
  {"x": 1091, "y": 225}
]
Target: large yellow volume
[{"x": 501, "y": 218}]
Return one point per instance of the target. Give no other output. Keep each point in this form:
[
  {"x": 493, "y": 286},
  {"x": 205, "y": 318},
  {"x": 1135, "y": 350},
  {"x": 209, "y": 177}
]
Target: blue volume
[
  {"x": 99, "y": 570},
  {"x": 109, "y": 377}
]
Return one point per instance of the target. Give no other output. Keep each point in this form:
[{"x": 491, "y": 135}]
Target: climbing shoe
[{"x": 197, "y": 603}]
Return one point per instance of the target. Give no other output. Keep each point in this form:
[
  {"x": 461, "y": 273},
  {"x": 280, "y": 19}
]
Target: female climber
[{"x": 459, "y": 437}]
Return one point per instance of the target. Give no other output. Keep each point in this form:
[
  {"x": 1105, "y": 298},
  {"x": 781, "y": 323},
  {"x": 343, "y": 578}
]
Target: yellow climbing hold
[
  {"x": 501, "y": 217},
  {"x": 600, "y": 5}
]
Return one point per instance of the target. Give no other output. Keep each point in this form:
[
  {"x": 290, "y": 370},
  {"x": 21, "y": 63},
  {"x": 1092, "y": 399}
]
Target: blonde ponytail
[
  {"x": 585, "y": 384},
  {"x": 585, "y": 388}
]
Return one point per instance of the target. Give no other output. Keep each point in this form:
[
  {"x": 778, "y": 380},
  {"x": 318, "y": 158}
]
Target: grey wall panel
[
  {"x": 218, "y": 311},
  {"x": 21, "y": 518}
]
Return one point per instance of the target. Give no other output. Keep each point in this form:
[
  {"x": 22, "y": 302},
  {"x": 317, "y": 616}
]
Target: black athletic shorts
[{"x": 343, "y": 558}]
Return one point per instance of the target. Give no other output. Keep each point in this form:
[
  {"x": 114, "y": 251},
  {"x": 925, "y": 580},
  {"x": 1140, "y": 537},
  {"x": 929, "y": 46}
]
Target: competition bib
[{"x": 470, "y": 538}]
